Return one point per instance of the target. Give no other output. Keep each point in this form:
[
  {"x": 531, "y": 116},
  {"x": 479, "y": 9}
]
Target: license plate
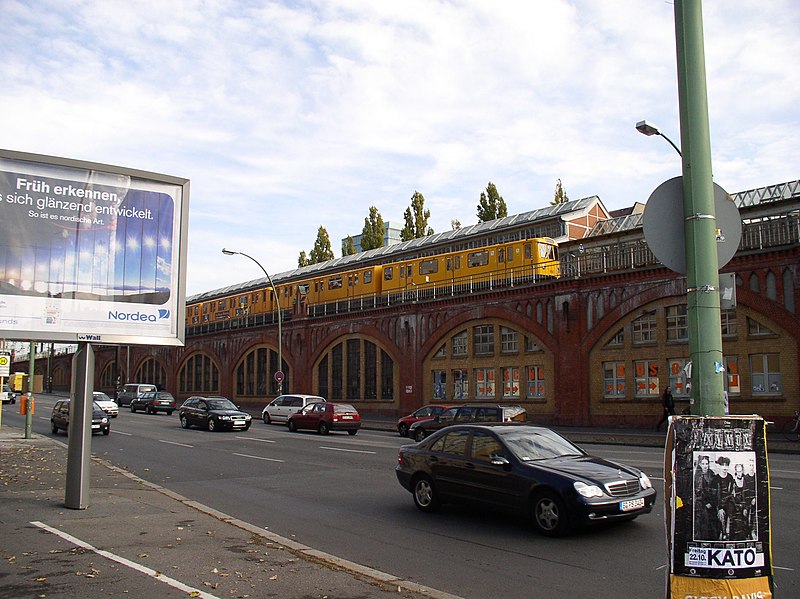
[
  {"x": 238, "y": 422},
  {"x": 95, "y": 426},
  {"x": 347, "y": 417},
  {"x": 632, "y": 504}
]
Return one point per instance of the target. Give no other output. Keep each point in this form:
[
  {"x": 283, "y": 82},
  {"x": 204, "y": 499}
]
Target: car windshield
[
  {"x": 101, "y": 397},
  {"x": 538, "y": 444},
  {"x": 220, "y": 403}
]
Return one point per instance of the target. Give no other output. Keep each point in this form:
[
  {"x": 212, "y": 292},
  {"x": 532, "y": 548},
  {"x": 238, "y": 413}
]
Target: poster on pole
[
  {"x": 718, "y": 512},
  {"x": 91, "y": 252}
]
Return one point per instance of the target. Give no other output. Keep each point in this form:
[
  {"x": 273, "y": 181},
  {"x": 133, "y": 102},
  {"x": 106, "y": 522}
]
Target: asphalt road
[{"x": 339, "y": 494}]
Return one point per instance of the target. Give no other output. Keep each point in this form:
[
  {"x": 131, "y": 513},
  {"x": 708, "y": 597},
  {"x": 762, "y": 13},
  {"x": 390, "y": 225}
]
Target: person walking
[{"x": 668, "y": 403}]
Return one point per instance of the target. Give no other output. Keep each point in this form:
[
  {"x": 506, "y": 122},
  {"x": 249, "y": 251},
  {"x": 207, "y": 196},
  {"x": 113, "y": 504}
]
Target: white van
[{"x": 131, "y": 391}]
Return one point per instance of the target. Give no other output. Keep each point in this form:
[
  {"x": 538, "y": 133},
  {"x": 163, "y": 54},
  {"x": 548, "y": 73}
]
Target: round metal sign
[
  {"x": 663, "y": 225},
  {"x": 279, "y": 377}
]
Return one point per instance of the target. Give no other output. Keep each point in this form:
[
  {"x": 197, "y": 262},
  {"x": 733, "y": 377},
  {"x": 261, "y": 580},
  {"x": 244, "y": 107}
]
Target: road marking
[
  {"x": 116, "y": 432},
  {"x": 252, "y": 439},
  {"x": 126, "y": 562},
  {"x": 258, "y": 457},
  {"x": 348, "y": 450},
  {"x": 175, "y": 443}
]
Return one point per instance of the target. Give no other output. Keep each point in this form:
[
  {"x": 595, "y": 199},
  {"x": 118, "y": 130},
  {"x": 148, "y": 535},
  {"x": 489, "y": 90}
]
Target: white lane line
[
  {"x": 116, "y": 432},
  {"x": 175, "y": 443},
  {"x": 126, "y": 562},
  {"x": 252, "y": 439},
  {"x": 258, "y": 457},
  {"x": 348, "y": 450}
]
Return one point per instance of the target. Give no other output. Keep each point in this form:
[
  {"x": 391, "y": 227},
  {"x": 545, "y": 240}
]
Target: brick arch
[{"x": 185, "y": 387}]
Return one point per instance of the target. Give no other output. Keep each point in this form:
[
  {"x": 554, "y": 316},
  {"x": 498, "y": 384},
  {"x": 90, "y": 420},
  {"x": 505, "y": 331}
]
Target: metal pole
[
  {"x": 31, "y": 376},
  {"x": 703, "y": 309}
]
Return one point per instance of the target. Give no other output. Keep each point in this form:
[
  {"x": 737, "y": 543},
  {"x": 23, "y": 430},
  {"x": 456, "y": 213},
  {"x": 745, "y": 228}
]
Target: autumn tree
[
  {"x": 491, "y": 205},
  {"x": 416, "y": 218},
  {"x": 348, "y": 246},
  {"x": 322, "y": 248},
  {"x": 374, "y": 230},
  {"x": 560, "y": 196}
]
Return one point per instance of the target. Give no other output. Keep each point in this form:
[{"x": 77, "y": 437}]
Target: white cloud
[{"x": 290, "y": 116}]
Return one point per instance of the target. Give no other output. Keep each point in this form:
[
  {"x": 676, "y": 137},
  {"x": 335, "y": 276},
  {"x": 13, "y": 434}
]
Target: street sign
[
  {"x": 5, "y": 365},
  {"x": 663, "y": 225},
  {"x": 279, "y": 376}
]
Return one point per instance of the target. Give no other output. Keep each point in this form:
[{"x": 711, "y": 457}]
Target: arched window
[
  {"x": 356, "y": 370},
  {"x": 151, "y": 371},
  {"x": 198, "y": 376},
  {"x": 255, "y": 374}
]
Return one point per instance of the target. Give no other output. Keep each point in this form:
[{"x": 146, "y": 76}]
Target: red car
[
  {"x": 326, "y": 417},
  {"x": 423, "y": 413}
]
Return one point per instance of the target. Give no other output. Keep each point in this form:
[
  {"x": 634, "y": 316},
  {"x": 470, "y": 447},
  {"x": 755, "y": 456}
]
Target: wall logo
[{"x": 162, "y": 313}]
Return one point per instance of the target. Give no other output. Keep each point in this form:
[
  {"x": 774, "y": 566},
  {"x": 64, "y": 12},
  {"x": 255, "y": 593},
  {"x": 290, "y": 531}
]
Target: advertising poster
[
  {"x": 90, "y": 252},
  {"x": 718, "y": 517}
]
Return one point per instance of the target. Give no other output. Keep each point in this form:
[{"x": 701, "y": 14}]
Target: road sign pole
[{"x": 702, "y": 271}]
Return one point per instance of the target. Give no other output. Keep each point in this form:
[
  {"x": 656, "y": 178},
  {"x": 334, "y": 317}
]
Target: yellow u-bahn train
[{"x": 505, "y": 263}]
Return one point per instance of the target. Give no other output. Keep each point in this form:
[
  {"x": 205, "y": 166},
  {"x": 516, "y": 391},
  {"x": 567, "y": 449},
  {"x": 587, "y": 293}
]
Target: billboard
[
  {"x": 718, "y": 516},
  {"x": 91, "y": 252}
]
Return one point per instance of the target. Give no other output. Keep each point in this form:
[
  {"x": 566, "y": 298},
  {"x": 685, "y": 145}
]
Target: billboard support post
[
  {"x": 31, "y": 378},
  {"x": 80, "y": 428}
]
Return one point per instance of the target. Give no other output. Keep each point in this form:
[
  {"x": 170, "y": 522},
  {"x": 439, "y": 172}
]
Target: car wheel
[
  {"x": 267, "y": 419},
  {"x": 549, "y": 514},
  {"x": 247, "y": 427},
  {"x": 323, "y": 428},
  {"x": 419, "y": 435},
  {"x": 292, "y": 426},
  {"x": 54, "y": 428},
  {"x": 133, "y": 408},
  {"x": 351, "y": 433},
  {"x": 148, "y": 410},
  {"x": 169, "y": 412},
  {"x": 212, "y": 424},
  {"x": 184, "y": 421},
  {"x": 107, "y": 430},
  {"x": 403, "y": 430},
  {"x": 425, "y": 496}
]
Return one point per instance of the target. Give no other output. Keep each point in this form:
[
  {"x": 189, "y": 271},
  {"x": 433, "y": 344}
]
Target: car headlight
[
  {"x": 588, "y": 490},
  {"x": 104, "y": 421},
  {"x": 644, "y": 481},
  {"x": 224, "y": 417}
]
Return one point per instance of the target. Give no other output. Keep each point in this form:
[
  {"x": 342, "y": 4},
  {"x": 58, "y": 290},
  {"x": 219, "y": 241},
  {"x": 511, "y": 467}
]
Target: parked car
[
  {"x": 131, "y": 391},
  {"x": 213, "y": 413},
  {"x": 11, "y": 396},
  {"x": 326, "y": 417},
  {"x": 467, "y": 413},
  {"x": 423, "y": 413},
  {"x": 283, "y": 406},
  {"x": 108, "y": 405},
  {"x": 154, "y": 402},
  {"x": 525, "y": 469},
  {"x": 59, "y": 418}
]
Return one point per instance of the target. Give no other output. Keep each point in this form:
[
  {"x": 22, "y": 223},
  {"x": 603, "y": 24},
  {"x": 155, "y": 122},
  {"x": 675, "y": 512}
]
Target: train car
[{"x": 362, "y": 282}]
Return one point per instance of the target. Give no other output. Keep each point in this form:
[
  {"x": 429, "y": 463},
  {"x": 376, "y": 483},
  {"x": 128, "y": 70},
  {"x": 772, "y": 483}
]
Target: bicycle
[{"x": 791, "y": 430}]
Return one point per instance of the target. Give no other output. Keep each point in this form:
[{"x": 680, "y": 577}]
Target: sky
[{"x": 291, "y": 116}]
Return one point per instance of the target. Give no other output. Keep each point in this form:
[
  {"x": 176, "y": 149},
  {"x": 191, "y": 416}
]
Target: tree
[
  {"x": 416, "y": 219},
  {"x": 374, "y": 231},
  {"x": 560, "y": 196},
  {"x": 455, "y": 224},
  {"x": 348, "y": 246},
  {"x": 322, "y": 247},
  {"x": 303, "y": 260},
  {"x": 492, "y": 205}
]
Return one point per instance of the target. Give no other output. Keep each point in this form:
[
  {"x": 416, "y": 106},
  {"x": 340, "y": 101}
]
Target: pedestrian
[{"x": 669, "y": 406}]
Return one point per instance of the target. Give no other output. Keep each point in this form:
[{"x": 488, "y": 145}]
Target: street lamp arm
[
  {"x": 230, "y": 252},
  {"x": 646, "y": 128}
]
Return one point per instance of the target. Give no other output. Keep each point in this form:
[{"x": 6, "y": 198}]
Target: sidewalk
[{"x": 137, "y": 539}]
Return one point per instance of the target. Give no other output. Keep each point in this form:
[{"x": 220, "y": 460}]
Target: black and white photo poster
[{"x": 718, "y": 519}]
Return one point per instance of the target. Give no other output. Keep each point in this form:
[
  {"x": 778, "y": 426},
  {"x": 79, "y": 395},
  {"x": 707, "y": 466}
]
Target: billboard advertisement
[
  {"x": 718, "y": 517},
  {"x": 91, "y": 252}
]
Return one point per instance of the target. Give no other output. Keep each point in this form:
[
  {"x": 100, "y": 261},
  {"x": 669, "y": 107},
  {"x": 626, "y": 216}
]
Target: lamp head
[
  {"x": 646, "y": 128},
  {"x": 229, "y": 252}
]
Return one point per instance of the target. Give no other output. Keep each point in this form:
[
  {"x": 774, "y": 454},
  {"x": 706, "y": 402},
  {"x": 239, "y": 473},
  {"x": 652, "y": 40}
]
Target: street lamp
[
  {"x": 230, "y": 252},
  {"x": 646, "y": 128}
]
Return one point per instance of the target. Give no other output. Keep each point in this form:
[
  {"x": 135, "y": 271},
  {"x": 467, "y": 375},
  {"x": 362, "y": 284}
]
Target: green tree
[
  {"x": 322, "y": 247},
  {"x": 374, "y": 230},
  {"x": 560, "y": 196},
  {"x": 416, "y": 218},
  {"x": 303, "y": 260},
  {"x": 348, "y": 246},
  {"x": 491, "y": 205}
]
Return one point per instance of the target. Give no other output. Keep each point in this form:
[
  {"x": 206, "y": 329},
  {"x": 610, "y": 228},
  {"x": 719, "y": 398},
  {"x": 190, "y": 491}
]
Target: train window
[
  {"x": 528, "y": 252},
  {"x": 367, "y": 277},
  {"x": 205, "y": 308},
  {"x": 196, "y": 310},
  {"x": 477, "y": 259},
  {"x": 388, "y": 273},
  {"x": 458, "y": 262},
  {"x": 427, "y": 267},
  {"x": 402, "y": 272},
  {"x": 501, "y": 255},
  {"x": 410, "y": 270},
  {"x": 222, "y": 304},
  {"x": 302, "y": 288},
  {"x": 335, "y": 283},
  {"x": 449, "y": 264},
  {"x": 355, "y": 279},
  {"x": 349, "y": 280},
  {"x": 510, "y": 254},
  {"x": 547, "y": 251}
]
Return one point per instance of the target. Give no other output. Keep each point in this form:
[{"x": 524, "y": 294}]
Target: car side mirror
[{"x": 502, "y": 462}]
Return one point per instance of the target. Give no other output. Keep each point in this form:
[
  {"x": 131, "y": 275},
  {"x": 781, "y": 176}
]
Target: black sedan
[
  {"x": 214, "y": 414},
  {"x": 526, "y": 469}
]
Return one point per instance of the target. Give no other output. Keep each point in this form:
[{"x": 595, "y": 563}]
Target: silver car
[
  {"x": 107, "y": 404},
  {"x": 283, "y": 406}
]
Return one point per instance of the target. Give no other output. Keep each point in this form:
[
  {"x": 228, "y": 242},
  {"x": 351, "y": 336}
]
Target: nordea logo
[{"x": 131, "y": 316}]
